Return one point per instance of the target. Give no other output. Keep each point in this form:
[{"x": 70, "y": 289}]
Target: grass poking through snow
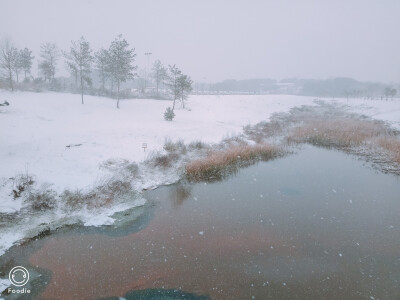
[{"x": 219, "y": 164}]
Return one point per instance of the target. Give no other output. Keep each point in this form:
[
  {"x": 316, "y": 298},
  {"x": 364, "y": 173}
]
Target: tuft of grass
[{"x": 219, "y": 164}]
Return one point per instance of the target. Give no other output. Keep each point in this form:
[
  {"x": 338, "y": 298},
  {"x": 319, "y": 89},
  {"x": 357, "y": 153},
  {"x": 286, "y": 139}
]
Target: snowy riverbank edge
[{"x": 29, "y": 129}]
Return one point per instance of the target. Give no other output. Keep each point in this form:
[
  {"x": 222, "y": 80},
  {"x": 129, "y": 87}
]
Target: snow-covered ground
[
  {"x": 36, "y": 129},
  {"x": 383, "y": 110}
]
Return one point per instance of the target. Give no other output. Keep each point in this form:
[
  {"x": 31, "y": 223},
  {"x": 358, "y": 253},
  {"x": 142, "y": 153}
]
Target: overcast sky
[{"x": 213, "y": 40}]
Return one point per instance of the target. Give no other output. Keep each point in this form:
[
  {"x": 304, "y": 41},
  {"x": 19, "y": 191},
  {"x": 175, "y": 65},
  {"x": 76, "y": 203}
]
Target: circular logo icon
[{"x": 19, "y": 276}]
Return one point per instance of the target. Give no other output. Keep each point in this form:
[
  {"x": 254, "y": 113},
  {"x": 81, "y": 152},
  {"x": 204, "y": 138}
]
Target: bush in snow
[
  {"x": 42, "y": 199},
  {"x": 178, "y": 146},
  {"x": 169, "y": 114}
]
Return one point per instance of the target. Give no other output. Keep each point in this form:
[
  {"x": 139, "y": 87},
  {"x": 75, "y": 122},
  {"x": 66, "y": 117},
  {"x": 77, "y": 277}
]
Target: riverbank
[{"x": 85, "y": 163}]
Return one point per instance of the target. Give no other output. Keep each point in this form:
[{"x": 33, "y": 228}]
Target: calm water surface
[{"x": 315, "y": 225}]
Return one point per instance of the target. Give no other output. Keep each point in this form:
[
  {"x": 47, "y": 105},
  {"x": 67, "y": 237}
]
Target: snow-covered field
[
  {"x": 36, "y": 129},
  {"x": 383, "y": 110}
]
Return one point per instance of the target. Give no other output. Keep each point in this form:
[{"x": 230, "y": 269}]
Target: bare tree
[
  {"x": 102, "y": 61},
  {"x": 18, "y": 65},
  {"x": 49, "y": 54},
  {"x": 25, "y": 60},
  {"x": 79, "y": 59},
  {"x": 159, "y": 74},
  {"x": 172, "y": 82},
  {"x": 120, "y": 64},
  {"x": 8, "y": 59}
]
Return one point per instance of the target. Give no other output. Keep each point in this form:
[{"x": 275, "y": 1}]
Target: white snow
[
  {"x": 37, "y": 127},
  {"x": 4, "y": 283},
  {"x": 384, "y": 110}
]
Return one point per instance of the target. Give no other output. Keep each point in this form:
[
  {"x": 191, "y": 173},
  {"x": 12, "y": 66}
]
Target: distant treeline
[{"x": 333, "y": 87}]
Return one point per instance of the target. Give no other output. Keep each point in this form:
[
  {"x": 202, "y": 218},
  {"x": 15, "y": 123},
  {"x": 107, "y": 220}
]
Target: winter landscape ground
[
  {"x": 68, "y": 149},
  {"x": 64, "y": 144}
]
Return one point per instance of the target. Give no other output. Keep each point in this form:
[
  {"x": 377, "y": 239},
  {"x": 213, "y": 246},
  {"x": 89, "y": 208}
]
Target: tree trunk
[
  {"x": 82, "y": 88},
  {"x": 103, "y": 79},
  {"x": 118, "y": 95},
  {"x": 157, "y": 80},
  {"x": 16, "y": 73},
  {"x": 11, "y": 80}
]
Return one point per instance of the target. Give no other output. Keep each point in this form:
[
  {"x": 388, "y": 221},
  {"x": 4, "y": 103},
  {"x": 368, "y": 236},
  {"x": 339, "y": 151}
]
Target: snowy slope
[{"x": 37, "y": 127}]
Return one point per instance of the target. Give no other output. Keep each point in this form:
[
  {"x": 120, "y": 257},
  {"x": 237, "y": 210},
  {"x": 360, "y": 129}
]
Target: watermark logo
[{"x": 19, "y": 276}]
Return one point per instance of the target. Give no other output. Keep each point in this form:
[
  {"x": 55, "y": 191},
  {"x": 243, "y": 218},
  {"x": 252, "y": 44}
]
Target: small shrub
[
  {"x": 114, "y": 188},
  {"x": 263, "y": 130},
  {"x": 101, "y": 195},
  {"x": 169, "y": 114},
  {"x": 162, "y": 160},
  {"x": 178, "y": 146},
  {"x": 197, "y": 145},
  {"x": 132, "y": 168},
  {"x": 21, "y": 184},
  {"x": 43, "y": 199},
  {"x": 73, "y": 199}
]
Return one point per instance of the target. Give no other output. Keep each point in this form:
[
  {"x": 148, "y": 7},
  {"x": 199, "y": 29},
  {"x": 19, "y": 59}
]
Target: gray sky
[{"x": 220, "y": 39}]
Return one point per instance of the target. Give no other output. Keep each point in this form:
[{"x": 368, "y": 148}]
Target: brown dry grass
[
  {"x": 102, "y": 195},
  {"x": 391, "y": 144},
  {"x": 43, "y": 199},
  {"x": 218, "y": 164},
  {"x": 337, "y": 132}
]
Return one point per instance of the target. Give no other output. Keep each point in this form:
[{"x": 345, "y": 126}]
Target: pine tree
[
  {"x": 120, "y": 64},
  {"x": 169, "y": 114},
  {"x": 79, "y": 60}
]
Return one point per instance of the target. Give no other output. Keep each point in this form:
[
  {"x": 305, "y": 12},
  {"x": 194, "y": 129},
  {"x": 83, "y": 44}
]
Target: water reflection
[{"x": 179, "y": 193}]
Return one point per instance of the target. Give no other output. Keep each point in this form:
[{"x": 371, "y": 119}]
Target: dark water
[{"x": 315, "y": 225}]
